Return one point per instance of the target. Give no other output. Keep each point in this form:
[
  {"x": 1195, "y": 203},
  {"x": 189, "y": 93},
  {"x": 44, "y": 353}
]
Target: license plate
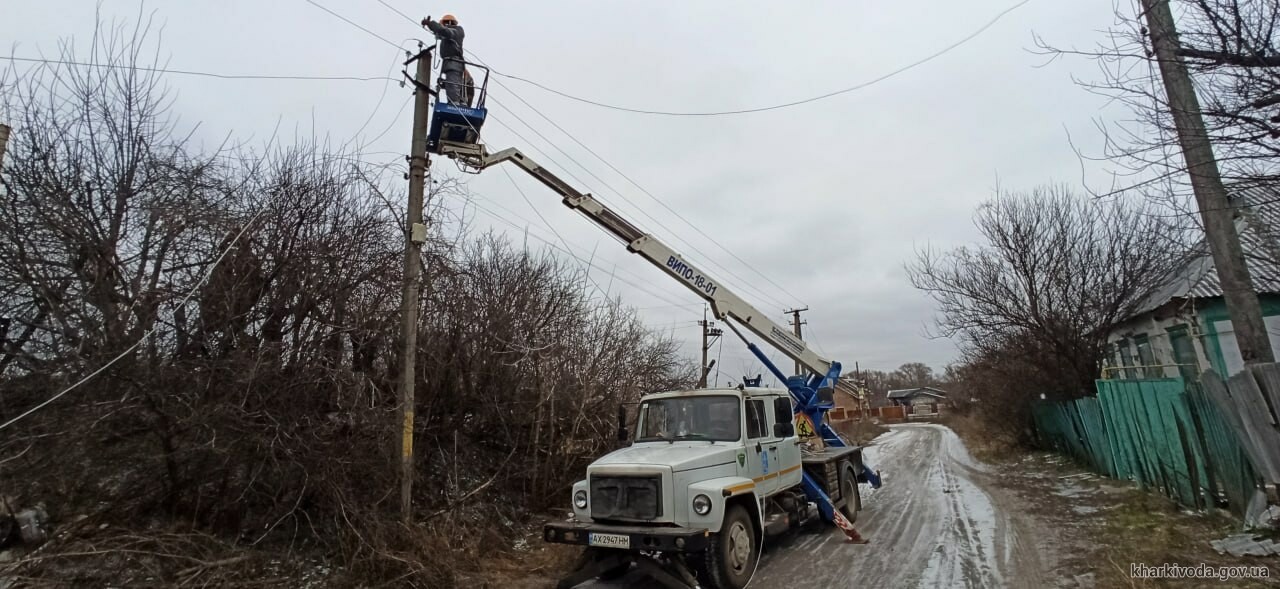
[{"x": 609, "y": 540}]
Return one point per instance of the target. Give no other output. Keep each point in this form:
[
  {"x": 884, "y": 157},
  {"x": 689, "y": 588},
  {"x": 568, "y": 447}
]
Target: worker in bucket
[{"x": 453, "y": 68}]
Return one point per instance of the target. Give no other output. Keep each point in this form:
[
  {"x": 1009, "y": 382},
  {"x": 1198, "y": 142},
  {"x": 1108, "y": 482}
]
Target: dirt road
[{"x": 934, "y": 523}]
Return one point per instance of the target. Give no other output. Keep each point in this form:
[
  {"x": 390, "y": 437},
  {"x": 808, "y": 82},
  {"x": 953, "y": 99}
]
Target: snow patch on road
[{"x": 965, "y": 555}]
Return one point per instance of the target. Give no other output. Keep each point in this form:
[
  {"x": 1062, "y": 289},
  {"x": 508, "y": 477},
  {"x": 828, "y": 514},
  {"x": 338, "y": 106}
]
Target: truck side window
[
  {"x": 782, "y": 410},
  {"x": 755, "y": 419}
]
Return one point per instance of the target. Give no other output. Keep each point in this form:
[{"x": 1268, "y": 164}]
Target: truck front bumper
[{"x": 638, "y": 537}]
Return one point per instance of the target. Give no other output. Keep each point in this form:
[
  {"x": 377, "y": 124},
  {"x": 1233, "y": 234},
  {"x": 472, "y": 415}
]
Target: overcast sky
[{"x": 828, "y": 199}]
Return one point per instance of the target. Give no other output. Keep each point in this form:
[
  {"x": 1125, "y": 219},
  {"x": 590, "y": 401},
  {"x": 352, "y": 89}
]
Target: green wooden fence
[{"x": 1162, "y": 433}]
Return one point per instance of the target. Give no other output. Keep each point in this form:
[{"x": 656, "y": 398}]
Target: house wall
[
  {"x": 1149, "y": 340},
  {"x": 1203, "y": 323},
  {"x": 1219, "y": 338}
]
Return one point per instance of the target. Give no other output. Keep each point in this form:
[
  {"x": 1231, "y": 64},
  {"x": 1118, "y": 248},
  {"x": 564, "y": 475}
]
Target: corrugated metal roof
[
  {"x": 1259, "y": 227},
  {"x": 900, "y": 393}
]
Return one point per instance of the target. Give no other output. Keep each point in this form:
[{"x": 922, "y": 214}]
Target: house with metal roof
[
  {"x": 1183, "y": 327},
  {"x": 917, "y": 396}
]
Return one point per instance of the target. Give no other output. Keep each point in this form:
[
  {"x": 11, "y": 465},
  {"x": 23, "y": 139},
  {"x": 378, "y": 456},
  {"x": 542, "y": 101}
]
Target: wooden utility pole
[
  {"x": 796, "y": 323},
  {"x": 709, "y": 333},
  {"x": 1206, "y": 181},
  {"x": 415, "y": 236}
]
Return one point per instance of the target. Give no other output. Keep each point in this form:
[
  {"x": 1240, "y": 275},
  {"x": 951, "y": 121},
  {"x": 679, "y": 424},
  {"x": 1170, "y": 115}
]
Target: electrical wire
[
  {"x": 144, "y": 336},
  {"x": 584, "y": 146},
  {"x": 719, "y": 353},
  {"x": 397, "y": 11},
  {"x": 385, "y": 86},
  {"x": 675, "y": 234},
  {"x": 604, "y": 292},
  {"x": 891, "y": 74},
  {"x": 193, "y": 72},
  {"x": 584, "y": 261},
  {"x": 352, "y": 23}
]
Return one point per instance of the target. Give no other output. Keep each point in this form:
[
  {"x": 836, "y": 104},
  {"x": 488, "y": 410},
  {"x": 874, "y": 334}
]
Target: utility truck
[{"x": 707, "y": 473}]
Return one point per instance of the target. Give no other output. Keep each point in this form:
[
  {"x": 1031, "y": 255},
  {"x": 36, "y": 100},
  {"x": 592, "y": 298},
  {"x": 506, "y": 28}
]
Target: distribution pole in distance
[
  {"x": 709, "y": 334},
  {"x": 796, "y": 323}
]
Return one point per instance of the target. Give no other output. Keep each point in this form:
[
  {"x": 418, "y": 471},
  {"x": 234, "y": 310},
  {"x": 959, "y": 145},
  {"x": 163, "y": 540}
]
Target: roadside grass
[
  {"x": 1102, "y": 527},
  {"x": 1143, "y": 527},
  {"x": 983, "y": 442}
]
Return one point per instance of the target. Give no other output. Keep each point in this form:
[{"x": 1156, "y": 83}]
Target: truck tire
[
  {"x": 849, "y": 493},
  {"x": 731, "y": 555}
]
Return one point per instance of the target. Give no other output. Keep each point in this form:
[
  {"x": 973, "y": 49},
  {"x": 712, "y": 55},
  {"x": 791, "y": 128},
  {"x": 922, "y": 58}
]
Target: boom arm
[{"x": 724, "y": 303}]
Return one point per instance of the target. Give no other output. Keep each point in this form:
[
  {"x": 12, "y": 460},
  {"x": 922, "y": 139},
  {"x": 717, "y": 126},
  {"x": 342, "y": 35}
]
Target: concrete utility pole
[
  {"x": 709, "y": 334},
  {"x": 4, "y": 140},
  {"x": 796, "y": 323},
  {"x": 415, "y": 236},
  {"x": 1211, "y": 197}
]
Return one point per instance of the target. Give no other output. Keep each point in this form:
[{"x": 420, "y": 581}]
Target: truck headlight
[
  {"x": 702, "y": 505},
  {"x": 580, "y": 499}
]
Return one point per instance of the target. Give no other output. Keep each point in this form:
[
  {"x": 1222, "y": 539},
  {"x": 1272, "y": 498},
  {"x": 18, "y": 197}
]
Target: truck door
[
  {"x": 788, "y": 453},
  {"x": 762, "y": 455}
]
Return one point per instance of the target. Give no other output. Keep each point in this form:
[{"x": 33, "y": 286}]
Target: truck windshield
[{"x": 708, "y": 417}]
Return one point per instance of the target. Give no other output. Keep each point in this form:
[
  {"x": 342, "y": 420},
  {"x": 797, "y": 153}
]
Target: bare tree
[
  {"x": 1056, "y": 272},
  {"x": 1231, "y": 50}
]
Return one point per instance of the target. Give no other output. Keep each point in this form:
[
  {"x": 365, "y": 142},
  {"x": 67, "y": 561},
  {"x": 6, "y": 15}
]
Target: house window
[
  {"x": 1146, "y": 357},
  {"x": 1184, "y": 352},
  {"x": 1126, "y": 357}
]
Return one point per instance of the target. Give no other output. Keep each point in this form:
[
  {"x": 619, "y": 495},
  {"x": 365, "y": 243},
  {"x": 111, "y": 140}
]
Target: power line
[
  {"x": 585, "y": 262},
  {"x": 891, "y": 74},
  {"x": 647, "y": 193},
  {"x": 615, "y": 169},
  {"x": 193, "y": 72},
  {"x": 352, "y": 23},
  {"x": 385, "y": 86},
  {"x": 655, "y": 220},
  {"x": 397, "y": 11},
  {"x": 146, "y": 335},
  {"x": 719, "y": 354}
]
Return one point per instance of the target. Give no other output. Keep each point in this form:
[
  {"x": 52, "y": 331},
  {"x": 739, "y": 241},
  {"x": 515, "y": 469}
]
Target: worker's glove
[{"x": 426, "y": 20}]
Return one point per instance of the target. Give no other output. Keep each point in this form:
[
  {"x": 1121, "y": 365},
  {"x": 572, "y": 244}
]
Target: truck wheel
[
  {"x": 591, "y": 555},
  {"x": 730, "y": 557},
  {"x": 849, "y": 492}
]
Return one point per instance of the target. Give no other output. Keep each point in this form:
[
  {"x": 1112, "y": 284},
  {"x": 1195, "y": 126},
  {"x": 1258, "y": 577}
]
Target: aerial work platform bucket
[{"x": 455, "y": 123}]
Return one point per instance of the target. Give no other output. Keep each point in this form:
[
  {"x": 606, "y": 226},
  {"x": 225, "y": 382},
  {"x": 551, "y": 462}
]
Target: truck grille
[{"x": 629, "y": 497}]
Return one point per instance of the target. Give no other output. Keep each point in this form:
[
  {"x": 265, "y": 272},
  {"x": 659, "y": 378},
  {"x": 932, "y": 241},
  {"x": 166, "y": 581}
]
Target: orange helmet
[{"x": 448, "y": 19}]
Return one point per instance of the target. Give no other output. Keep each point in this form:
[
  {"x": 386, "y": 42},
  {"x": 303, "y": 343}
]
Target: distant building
[
  {"x": 1183, "y": 328},
  {"x": 920, "y": 400}
]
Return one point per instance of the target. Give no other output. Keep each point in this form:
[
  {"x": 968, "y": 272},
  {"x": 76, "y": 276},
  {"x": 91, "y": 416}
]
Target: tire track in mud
[{"x": 932, "y": 524}]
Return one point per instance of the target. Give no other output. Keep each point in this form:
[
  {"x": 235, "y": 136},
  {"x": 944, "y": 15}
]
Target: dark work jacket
[{"x": 450, "y": 39}]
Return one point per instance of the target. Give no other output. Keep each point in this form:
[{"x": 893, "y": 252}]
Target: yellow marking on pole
[{"x": 407, "y": 443}]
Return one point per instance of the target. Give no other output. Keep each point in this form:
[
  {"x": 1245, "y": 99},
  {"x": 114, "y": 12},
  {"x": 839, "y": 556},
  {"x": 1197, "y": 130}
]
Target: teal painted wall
[{"x": 1211, "y": 311}]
